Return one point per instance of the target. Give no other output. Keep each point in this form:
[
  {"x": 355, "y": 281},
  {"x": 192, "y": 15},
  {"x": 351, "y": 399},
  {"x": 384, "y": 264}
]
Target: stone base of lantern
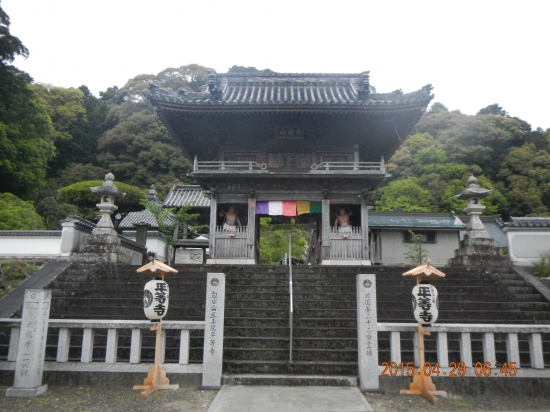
[
  {"x": 102, "y": 247},
  {"x": 479, "y": 252}
]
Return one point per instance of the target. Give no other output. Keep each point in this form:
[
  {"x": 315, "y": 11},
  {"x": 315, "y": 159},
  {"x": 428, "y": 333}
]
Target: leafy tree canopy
[
  {"x": 493, "y": 109},
  {"x": 16, "y": 214},
  {"x": 250, "y": 69},
  {"x": 80, "y": 195},
  {"x": 407, "y": 195}
]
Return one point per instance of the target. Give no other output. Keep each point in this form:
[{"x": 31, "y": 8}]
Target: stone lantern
[
  {"x": 104, "y": 245},
  {"x": 478, "y": 247},
  {"x": 473, "y": 195},
  {"x": 108, "y": 192}
]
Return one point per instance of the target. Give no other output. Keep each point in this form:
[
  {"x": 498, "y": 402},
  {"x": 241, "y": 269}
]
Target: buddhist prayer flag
[
  {"x": 275, "y": 208},
  {"x": 302, "y": 207},
  {"x": 262, "y": 208},
  {"x": 289, "y": 208}
]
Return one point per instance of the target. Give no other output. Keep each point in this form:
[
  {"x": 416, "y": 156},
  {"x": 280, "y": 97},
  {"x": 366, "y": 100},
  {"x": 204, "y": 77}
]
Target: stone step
[
  {"x": 296, "y": 367},
  {"x": 288, "y": 380},
  {"x": 281, "y": 354}
]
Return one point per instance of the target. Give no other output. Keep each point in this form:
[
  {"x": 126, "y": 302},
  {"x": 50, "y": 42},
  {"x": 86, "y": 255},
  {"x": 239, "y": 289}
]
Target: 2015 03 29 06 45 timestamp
[{"x": 457, "y": 369}]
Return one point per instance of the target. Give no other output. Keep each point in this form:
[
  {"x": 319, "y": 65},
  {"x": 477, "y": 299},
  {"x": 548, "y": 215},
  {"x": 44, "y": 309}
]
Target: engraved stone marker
[
  {"x": 32, "y": 345},
  {"x": 213, "y": 331},
  {"x": 367, "y": 333}
]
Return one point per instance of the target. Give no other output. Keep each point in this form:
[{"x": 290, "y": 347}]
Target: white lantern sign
[
  {"x": 155, "y": 299},
  {"x": 425, "y": 304}
]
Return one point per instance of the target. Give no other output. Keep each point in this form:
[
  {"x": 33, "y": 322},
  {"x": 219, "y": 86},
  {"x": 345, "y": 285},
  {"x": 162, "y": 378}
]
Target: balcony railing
[
  {"x": 365, "y": 167},
  {"x": 212, "y": 166}
]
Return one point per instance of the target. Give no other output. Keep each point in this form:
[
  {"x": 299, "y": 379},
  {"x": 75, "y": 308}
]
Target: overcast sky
[{"x": 474, "y": 52}]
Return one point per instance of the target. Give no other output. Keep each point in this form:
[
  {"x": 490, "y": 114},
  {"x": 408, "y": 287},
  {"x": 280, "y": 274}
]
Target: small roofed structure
[
  {"x": 424, "y": 271},
  {"x": 156, "y": 267}
]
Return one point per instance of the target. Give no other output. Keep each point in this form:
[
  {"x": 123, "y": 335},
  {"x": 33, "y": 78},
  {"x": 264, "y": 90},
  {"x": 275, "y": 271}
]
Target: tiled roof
[
  {"x": 427, "y": 221},
  {"x": 11, "y": 233},
  {"x": 528, "y": 222},
  {"x": 290, "y": 89},
  {"x": 143, "y": 216},
  {"x": 189, "y": 195}
]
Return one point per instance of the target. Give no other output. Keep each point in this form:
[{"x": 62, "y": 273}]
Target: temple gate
[{"x": 283, "y": 141}]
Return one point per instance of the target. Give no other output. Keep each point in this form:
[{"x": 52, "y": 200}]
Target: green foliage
[
  {"x": 170, "y": 218},
  {"x": 250, "y": 69},
  {"x": 407, "y": 195},
  {"x": 16, "y": 214},
  {"x": 416, "y": 254},
  {"x": 274, "y": 241},
  {"x": 137, "y": 147},
  {"x": 10, "y": 46},
  {"x": 80, "y": 195},
  {"x": 14, "y": 274},
  {"x": 78, "y": 172},
  {"x": 542, "y": 266},
  {"x": 438, "y": 108},
  {"x": 493, "y": 109}
]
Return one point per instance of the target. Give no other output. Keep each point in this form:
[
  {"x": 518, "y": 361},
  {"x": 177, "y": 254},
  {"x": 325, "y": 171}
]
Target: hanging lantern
[
  {"x": 425, "y": 304},
  {"x": 155, "y": 299}
]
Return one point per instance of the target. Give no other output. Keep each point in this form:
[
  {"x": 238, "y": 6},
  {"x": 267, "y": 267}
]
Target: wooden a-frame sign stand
[
  {"x": 156, "y": 378},
  {"x": 422, "y": 384}
]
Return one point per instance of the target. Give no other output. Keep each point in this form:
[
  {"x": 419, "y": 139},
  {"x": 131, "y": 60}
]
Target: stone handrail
[
  {"x": 534, "y": 333},
  {"x": 110, "y": 363}
]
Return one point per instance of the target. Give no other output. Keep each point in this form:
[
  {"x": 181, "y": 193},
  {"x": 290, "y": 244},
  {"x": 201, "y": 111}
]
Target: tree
[
  {"x": 407, "y": 195},
  {"x": 493, "y": 109},
  {"x": 16, "y": 214},
  {"x": 250, "y": 69},
  {"x": 80, "y": 195},
  {"x": 168, "y": 219},
  {"x": 416, "y": 254},
  {"x": 137, "y": 147},
  {"x": 274, "y": 241},
  {"x": 438, "y": 108},
  {"x": 25, "y": 128}
]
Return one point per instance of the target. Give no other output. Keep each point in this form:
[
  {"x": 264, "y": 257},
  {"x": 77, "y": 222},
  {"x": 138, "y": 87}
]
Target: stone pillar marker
[
  {"x": 367, "y": 333},
  {"x": 29, "y": 365},
  {"x": 213, "y": 331}
]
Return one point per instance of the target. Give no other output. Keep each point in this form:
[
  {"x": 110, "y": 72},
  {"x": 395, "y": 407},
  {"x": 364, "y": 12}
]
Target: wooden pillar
[
  {"x": 251, "y": 229},
  {"x": 213, "y": 221},
  {"x": 325, "y": 227},
  {"x": 365, "y": 227}
]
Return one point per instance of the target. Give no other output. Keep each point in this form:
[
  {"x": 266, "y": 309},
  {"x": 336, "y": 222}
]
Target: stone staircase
[{"x": 257, "y": 333}]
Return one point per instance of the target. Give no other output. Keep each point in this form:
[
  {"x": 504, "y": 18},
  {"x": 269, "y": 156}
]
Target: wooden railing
[
  {"x": 481, "y": 350},
  {"x": 110, "y": 363},
  {"x": 365, "y": 167},
  {"x": 231, "y": 243},
  {"x": 209, "y": 166},
  {"x": 346, "y": 243}
]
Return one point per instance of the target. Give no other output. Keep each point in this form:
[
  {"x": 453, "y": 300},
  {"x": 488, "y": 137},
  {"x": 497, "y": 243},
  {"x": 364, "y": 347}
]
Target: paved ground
[{"x": 289, "y": 399}]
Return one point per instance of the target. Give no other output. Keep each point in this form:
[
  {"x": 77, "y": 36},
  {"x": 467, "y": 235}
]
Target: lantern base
[
  {"x": 423, "y": 385},
  {"x": 156, "y": 379}
]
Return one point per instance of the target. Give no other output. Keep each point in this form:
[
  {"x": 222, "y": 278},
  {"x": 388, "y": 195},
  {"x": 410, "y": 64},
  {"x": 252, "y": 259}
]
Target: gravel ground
[
  {"x": 88, "y": 399},
  {"x": 192, "y": 399},
  {"x": 397, "y": 402}
]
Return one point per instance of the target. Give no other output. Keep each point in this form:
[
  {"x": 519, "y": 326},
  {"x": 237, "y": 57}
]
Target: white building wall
[
  {"x": 526, "y": 247},
  {"x": 18, "y": 247},
  {"x": 155, "y": 244},
  {"x": 394, "y": 249}
]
